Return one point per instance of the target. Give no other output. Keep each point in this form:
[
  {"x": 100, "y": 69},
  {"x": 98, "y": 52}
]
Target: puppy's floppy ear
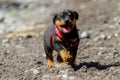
[
  {"x": 75, "y": 15},
  {"x": 54, "y": 18}
]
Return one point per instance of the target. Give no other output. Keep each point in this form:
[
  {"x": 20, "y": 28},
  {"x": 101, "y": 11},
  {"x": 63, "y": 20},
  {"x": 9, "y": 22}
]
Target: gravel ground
[{"x": 22, "y": 24}]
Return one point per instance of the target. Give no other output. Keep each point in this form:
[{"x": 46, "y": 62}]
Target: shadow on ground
[{"x": 96, "y": 65}]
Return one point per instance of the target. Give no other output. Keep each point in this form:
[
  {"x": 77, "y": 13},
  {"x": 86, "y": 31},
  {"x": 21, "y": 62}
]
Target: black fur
[{"x": 74, "y": 14}]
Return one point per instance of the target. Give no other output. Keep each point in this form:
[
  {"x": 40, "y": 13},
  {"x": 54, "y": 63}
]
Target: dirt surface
[{"x": 22, "y": 24}]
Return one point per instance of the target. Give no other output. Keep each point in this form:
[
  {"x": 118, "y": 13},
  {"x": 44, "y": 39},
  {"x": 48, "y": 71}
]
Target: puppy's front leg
[{"x": 65, "y": 55}]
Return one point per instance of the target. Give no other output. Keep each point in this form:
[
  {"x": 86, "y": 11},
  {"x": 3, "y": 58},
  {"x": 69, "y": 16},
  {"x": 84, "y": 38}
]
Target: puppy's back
[{"x": 46, "y": 37}]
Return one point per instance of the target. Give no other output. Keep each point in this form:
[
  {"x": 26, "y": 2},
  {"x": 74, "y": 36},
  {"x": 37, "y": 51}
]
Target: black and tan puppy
[{"x": 62, "y": 37}]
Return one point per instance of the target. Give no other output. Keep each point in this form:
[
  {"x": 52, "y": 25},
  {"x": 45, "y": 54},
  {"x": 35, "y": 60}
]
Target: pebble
[
  {"x": 100, "y": 53},
  {"x": 34, "y": 71},
  {"x": 2, "y": 28},
  {"x": 111, "y": 69},
  {"x": 45, "y": 77},
  {"x": 103, "y": 36},
  {"x": 70, "y": 70},
  {"x": 2, "y": 19},
  {"x": 56, "y": 1},
  {"x": 84, "y": 69},
  {"x": 72, "y": 78},
  {"x": 44, "y": 55},
  {"x": 98, "y": 43},
  {"x": 115, "y": 52},
  {"x": 5, "y": 41},
  {"x": 65, "y": 76},
  {"x": 109, "y": 37},
  {"x": 116, "y": 34},
  {"x": 85, "y": 35},
  {"x": 23, "y": 6},
  {"x": 6, "y": 52},
  {"x": 112, "y": 26}
]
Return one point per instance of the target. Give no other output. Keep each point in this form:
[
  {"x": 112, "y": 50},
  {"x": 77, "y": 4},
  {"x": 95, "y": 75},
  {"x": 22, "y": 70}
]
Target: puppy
[{"x": 62, "y": 37}]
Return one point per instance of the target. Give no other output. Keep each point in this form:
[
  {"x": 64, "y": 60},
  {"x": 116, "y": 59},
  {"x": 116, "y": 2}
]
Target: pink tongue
[{"x": 65, "y": 30}]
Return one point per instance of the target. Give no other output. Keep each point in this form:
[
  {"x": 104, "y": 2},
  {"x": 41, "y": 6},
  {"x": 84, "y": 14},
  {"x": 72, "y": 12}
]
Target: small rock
[
  {"x": 89, "y": 44},
  {"x": 6, "y": 52},
  {"x": 5, "y": 41},
  {"x": 116, "y": 34},
  {"x": 116, "y": 55},
  {"x": 85, "y": 35},
  {"x": 111, "y": 69},
  {"x": 103, "y": 36},
  {"x": 72, "y": 78},
  {"x": 115, "y": 52},
  {"x": 109, "y": 37},
  {"x": 96, "y": 38},
  {"x": 45, "y": 77},
  {"x": 1, "y": 63},
  {"x": 43, "y": 55},
  {"x": 23, "y": 6},
  {"x": 100, "y": 53},
  {"x": 61, "y": 72},
  {"x": 112, "y": 26},
  {"x": 84, "y": 69},
  {"x": 70, "y": 69},
  {"x": 65, "y": 76},
  {"x": 2, "y": 19},
  {"x": 35, "y": 71},
  {"x": 56, "y": 1}
]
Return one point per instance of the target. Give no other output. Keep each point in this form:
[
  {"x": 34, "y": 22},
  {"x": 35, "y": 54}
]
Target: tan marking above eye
[
  {"x": 73, "y": 22},
  {"x": 59, "y": 22},
  {"x": 62, "y": 14}
]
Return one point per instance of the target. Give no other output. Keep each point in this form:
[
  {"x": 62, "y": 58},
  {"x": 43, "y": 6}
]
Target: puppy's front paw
[{"x": 65, "y": 56}]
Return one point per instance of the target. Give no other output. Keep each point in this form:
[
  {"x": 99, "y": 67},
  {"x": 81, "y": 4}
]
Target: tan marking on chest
[{"x": 73, "y": 40}]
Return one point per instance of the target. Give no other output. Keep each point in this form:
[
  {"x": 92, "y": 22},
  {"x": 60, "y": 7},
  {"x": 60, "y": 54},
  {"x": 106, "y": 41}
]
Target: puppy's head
[{"x": 65, "y": 20}]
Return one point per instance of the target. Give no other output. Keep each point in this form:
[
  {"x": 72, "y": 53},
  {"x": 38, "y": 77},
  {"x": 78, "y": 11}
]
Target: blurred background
[
  {"x": 22, "y": 23},
  {"x": 17, "y": 15}
]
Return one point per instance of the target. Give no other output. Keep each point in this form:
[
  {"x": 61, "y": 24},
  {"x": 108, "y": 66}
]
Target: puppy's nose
[{"x": 66, "y": 21}]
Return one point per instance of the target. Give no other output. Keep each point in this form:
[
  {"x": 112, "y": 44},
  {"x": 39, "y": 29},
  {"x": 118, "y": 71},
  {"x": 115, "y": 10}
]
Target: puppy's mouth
[{"x": 66, "y": 28}]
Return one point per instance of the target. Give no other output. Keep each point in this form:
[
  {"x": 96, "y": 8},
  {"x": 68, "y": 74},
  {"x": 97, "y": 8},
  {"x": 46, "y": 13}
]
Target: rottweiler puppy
[{"x": 62, "y": 37}]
